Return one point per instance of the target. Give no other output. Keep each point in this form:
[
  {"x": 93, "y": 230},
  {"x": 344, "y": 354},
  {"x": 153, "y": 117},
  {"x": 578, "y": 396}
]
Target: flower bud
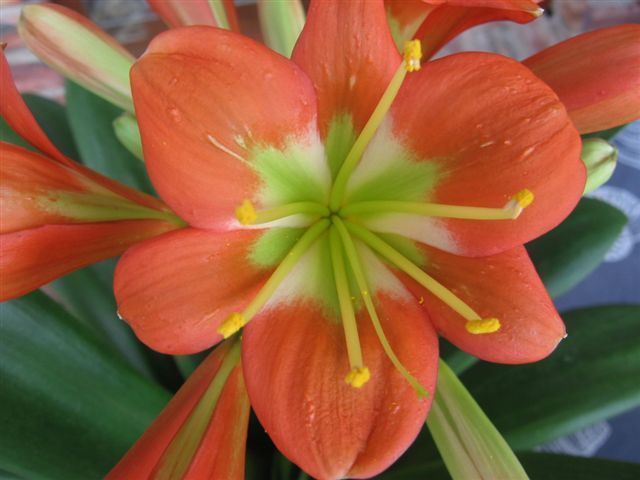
[{"x": 600, "y": 158}]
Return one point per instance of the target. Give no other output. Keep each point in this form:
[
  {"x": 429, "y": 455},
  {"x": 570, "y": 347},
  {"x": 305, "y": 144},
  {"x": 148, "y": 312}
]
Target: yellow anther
[
  {"x": 484, "y": 325},
  {"x": 523, "y": 198},
  {"x": 232, "y": 324},
  {"x": 357, "y": 377},
  {"x": 412, "y": 55},
  {"x": 245, "y": 213}
]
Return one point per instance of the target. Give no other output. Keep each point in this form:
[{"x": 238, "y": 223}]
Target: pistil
[
  {"x": 359, "y": 374},
  {"x": 510, "y": 211},
  {"x": 246, "y": 213},
  {"x": 475, "y": 324},
  {"x": 237, "y": 320},
  {"x": 358, "y": 272},
  {"x": 411, "y": 63}
]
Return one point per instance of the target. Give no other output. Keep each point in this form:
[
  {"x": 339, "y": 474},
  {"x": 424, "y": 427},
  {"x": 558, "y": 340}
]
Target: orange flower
[{"x": 344, "y": 213}]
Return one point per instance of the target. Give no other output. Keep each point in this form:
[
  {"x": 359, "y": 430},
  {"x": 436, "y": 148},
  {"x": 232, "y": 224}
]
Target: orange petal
[
  {"x": 16, "y": 113},
  {"x": 347, "y": 50},
  {"x": 220, "y": 453},
  {"x": 596, "y": 75},
  {"x": 436, "y": 22},
  {"x": 295, "y": 363},
  {"x": 504, "y": 286},
  {"x": 489, "y": 128},
  {"x": 175, "y": 290},
  {"x": 206, "y": 99},
  {"x": 31, "y": 258}
]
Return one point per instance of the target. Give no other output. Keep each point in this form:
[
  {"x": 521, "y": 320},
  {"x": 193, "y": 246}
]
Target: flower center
[{"x": 340, "y": 221}]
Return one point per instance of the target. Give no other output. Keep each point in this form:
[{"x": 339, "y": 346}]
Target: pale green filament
[
  {"x": 349, "y": 323},
  {"x": 404, "y": 264},
  {"x": 358, "y": 272},
  {"x": 283, "y": 211},
  {"x": 235, "y": 321},
  {"x": 511, "y": 211},
  {"x": 350, "y": 163}
]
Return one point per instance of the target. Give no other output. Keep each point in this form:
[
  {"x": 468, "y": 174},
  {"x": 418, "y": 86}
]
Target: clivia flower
[{"x": 343, "y": 210}]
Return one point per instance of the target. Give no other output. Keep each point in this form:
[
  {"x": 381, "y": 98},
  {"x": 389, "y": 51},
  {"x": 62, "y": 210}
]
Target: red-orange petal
[
  {"x": 347, "y": 50},
  {"x": 596, "y": 75},
  {"x": 34, "y": 257},
  {"x": 504, "y": 286},
  {"x": 295, "y": 363},
  {"x": 16, "y": 113},
  {"x": 221, "y": 451},
  {"x": 436, "y": 22},
  {"x": 491, "y": 129},
  {"x": 204, "y": 98},
  {"x": 175, "y": 290}
]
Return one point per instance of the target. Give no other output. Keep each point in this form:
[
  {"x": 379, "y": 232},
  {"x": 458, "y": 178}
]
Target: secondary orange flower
[
  {"x": 340, "y": 209},
  {"x": 56, "y": 215}
]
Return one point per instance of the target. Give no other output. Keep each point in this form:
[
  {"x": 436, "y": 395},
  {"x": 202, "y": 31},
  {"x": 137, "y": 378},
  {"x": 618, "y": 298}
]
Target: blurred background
[{"x": 617, "y": 280}]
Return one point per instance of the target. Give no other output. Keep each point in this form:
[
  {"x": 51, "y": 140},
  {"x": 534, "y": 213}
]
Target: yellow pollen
[
  {"x": 232, "y": 324},
  {"x": 357, "y": 377},
  {"x": 412, "y": 55},
  {"x": 245, "y": 213},
  {"x": 484, "y": 325},
  {"x": 523, "y": 198}
]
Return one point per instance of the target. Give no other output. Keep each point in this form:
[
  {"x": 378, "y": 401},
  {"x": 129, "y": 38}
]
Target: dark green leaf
[
  {"x": 9, "y": 136},
  {"x": 91, "y": 119},
  {"x": 539, "y": 466},
  {"x": 593, "y": 375},
  {"x": 52, "y": 117},
  {"x": 567, "y": 254},
  {"x": 69, "y": 409}
]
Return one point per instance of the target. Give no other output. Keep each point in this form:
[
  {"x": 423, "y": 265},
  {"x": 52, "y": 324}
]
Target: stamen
[
  {"x": 232, "y": 324},
  {"x": 247, "y": 214},
  {"x": 485, "y": 325},
  {"x": 357, "y": 377},
  {"x": 359, "y": 374},
  {"x": 350, "y": 163},
  {"x": 412, "y": 55},
  {"x": 428, "y": 282},
  {"x": 510, "y": 211},
  {"x": 236, "y": 321},
  {"x": 358, "y": 272}
]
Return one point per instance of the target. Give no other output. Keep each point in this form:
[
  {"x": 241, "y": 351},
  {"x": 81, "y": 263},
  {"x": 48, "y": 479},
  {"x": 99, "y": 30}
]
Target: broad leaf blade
[
  {"x": 570, "y": 252},
  {"x": 593, "y": 375},
  {"x": 539, "y": 466},
  {"x": 68, "y": 408}
]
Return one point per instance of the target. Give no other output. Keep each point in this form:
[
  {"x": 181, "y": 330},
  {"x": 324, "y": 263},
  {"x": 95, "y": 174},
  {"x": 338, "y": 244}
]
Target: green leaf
[
  {"x": 570, "y": 252},
  {"x": 592, "y": 375},
  {"x": 52, "y": 117},
  {"x": 91, "y": 119},
  {"x": 539, "y": 466},
  {"x": 470, "y": 445},
  {"x": 69, "y": 409}
]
